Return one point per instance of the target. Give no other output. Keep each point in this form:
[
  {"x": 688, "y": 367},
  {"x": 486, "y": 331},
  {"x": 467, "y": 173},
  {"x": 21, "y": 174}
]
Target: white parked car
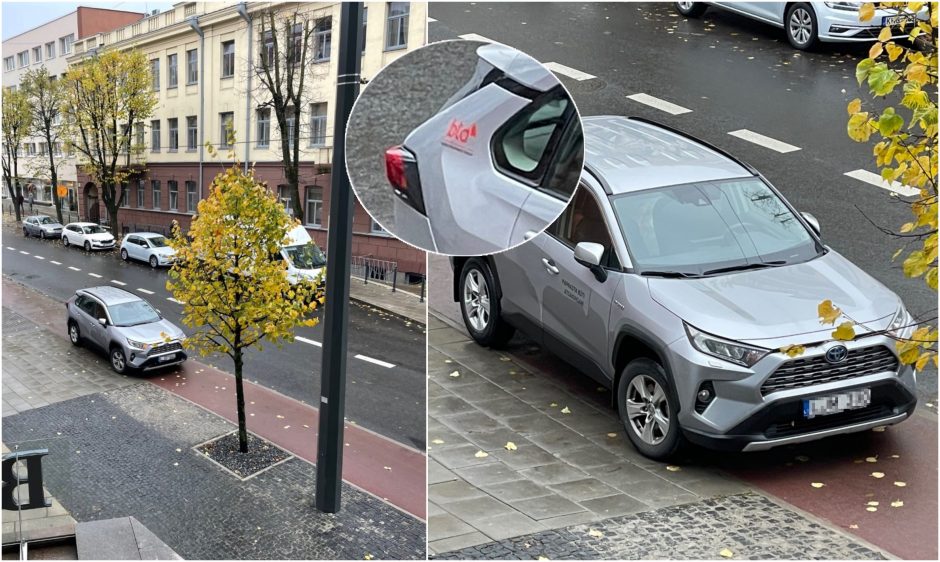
[
  {"x": 149, "y": 247},
  {"x": 88, "y": 235}
]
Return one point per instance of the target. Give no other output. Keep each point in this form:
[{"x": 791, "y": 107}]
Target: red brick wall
[{"x": 98, "y": 20}]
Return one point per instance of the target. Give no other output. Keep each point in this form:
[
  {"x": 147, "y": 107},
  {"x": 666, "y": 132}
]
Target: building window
[
  {"x": 22, "y": 59},
  {"x": 267, "y": 49},
  {"x": 365, "y": 20},
  {"x": 190, "y": 9},
  {"x": 50, "y": 50},
  {"x": 284, "y": 195},
  {"x": 226, "y": 126},
  {"x": 191, "y": 133},
  {"x": 264, "y": 127},
  {"x": 171, "y": 70},
  {"x": 376, "y": 228},
  {"x": 291, "y": 127},
  {"x": 192, "y": 67},
  {"x": 37, "y": 55},
  {"x": 140, "y": 194},
  {"x": 173, "y": 187},
  {"x": 9, "y": 64},
  {"x": 228, "y": 59},
  {"x": 155, "y": 188},
  {"x": 155, "y": 135},
  {"x": 140, "y": 136},
  {"x": 124, "y": 189},
  {"x": 174, "y": 129},
  {"x": 191, "y": 198},
  {"x": 396, "y": 31},
  {"x": 155, "y": 74},
  {"x": 314, "y": 211},
  {"x": 317, "y": 124},
  {"x": 322, "y": 39},
  {"x": 295, "y": 44},
  {"x": 65, "y": 44}
]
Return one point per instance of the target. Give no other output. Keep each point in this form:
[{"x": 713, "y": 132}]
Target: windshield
[
  {"x": 133, "y": 313},
  {"x": 46, "y": 220},
  {"x": 157, "y": 241},
  {"x": 698, "y": 228},
  {"x": 305, "y": 256},
  {"x": 95, "y": 229}
]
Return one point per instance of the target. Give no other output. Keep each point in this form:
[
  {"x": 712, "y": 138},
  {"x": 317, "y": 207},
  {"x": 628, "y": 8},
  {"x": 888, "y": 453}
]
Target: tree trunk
[
  {"x": 55, "y": 188},
  {"x": 240, "y": 395},
  {"x": 17, "y": 204},
  {"x": 112, "y": 205}
]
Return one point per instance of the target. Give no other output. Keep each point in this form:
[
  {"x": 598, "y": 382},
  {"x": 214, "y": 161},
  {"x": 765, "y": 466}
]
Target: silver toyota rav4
[
  {"x": 132, "y": 332},
  {"x": 674, "y": 278}
]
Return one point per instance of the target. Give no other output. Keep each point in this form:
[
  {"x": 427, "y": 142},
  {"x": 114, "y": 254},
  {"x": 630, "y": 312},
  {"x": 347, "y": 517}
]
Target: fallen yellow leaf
[
  {"x": 542, "y": 558},
  {"x": 596, "y": 534},
  {"x": 481, "y": 454},
  {"x": 553, "y": 405},
  {"x": 802, "y": 458},
  {"x": 900, "y": 484},
  {"x": 853, "y": 526},
  {"x": 565, "y": 410},
  {"x": 872, "y": 509},
  {"x": 673, "y": 468},
  {"x": 878, "y": 429},
  {"x": 455, "y": 374},
  {"x": 872, "y": 503},
  {"x": 437, "y": 441},
  {"x": 510, "y": 446},
  {"x": 611, "y": 435},
  {"x": 871, "y": 459},
  {"x": 367, "y": 557},
  {"x": 817, "y": 484},
  {"x": 897, "y": 503},
  {"x": 877, "y": 474},
  {"x": 726, "y": 553}
]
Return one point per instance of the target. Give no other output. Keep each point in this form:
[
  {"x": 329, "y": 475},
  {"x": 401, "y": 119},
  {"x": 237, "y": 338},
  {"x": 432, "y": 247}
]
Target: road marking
[
  {"x": 55, "y": 262},
  {"x": 475, "y": 37},
  {"x": 766, "y": 142},
  {"x": 659, "y": 104},
  {"x": 94, "y": 275},
  {"x": 116, "y": 282},
  {"x": 145, "y": 291},
  {"x": 376, "y": 361},
  {"x": 876, "y": 180},
  {"x": 24, "y": 253},
  {"x": 11, "y": 248},
  {"x": 39, "y": 257},
  {"x": 431, "y": 20},
  {"x": 573, "y": 73},
  {"x": 74, "y": 268},
  {"x": 311, "y": 342},
  {"x": 171, "y": 299}
]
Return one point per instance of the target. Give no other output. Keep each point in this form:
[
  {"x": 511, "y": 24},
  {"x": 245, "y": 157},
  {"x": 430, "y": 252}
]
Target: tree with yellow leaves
[
  {"x": 901, "y": 115},
  {"x": 231, "y": 278}
]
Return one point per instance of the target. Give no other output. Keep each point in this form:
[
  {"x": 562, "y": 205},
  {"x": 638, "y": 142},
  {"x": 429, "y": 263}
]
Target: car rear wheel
[
  {"x": 801, "y": 27},
  {"x": 74, "y": 335},
  {"x": 480, "y": 305},
  {"x": 153, "y": 262},
  {"x": 123, "y": 254},
  {"x": 690, "y": 9},
  {"x": 87, "y": 246},
  {"x": 118, "y": 361},
  {"x": 25, "y": 232},
  {"x": 647, "y": 405}
]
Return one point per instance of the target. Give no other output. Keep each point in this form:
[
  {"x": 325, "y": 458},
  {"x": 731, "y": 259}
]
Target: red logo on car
[{"x": 461, "y": 133}]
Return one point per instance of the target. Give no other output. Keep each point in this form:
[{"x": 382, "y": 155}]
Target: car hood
[
  {"x": 295, "y": 274},
  {"x": 100, "y": 236},
  {"x": 152, "y": 332},
  {"x": 164, "y": 251},
  {"x": 52, "y": 226},
  {"x": 767, "y": 306}
]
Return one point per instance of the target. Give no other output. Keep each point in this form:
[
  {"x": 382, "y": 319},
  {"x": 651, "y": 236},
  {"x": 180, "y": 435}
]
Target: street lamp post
[{"x": 339, "y": 250}]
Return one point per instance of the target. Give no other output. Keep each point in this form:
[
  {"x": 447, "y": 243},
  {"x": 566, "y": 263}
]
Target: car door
[
  {"x": 767, "y": 11},
  {"x": 133, "y": 247},
  {"x": 89, "y": 312},
  {"x": 575, "y": 304}
]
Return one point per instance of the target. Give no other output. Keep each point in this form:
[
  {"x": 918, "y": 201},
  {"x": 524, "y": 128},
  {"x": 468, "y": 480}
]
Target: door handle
[
  {"x": 550, "y": 266},
  {"x": 529, "y": 235}
]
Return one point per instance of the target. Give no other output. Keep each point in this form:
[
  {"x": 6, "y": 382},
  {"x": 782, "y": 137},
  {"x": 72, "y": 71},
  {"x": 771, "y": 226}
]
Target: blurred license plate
[
  {"x": 165, "y": 358},
  {"x": 833, "y": 404},
  {"x": 895, "y": 21}
]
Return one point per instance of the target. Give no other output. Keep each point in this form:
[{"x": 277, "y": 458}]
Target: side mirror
[
  {"x": 589, "y": 254},
  {"x": 103, "y": 321},
  {"x": 813, "y": 222}
]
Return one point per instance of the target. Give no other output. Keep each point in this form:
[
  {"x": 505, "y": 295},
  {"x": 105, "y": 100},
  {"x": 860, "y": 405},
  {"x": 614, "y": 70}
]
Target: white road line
[
  {"x": 766, "y": 142},
  {"x": 311, "y": 342},
  {"x": 475, "y": 37},
  {"x": 24, "y": 253},
  {"x": 39, "y": 257},
  {"x": 145, "y": 291},
  {"x": 94, "y": 275},
  {"x": 876, "y": 180},
  {"x": 431, "y": 20},
  {"x": 74, "y": 268},
  {"x": 116, "y": 282},
  {"x": 659, "y": 104},
  {"x": 574, "y": 73},
  {"x": 171, "y": 299},
  {"x": 55, "y": 262},
  {"x": 11, "y": 248},
  {"x": 376, "y": 361}
]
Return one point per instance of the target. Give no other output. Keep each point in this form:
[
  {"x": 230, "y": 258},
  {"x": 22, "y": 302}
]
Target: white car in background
[
  {"x": 87, "y": 235},
  {"x": 807, "y": 23},
  {"x": 149, "y": 247}
]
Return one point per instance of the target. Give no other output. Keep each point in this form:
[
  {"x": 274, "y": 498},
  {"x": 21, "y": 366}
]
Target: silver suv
[
  {"x": 126, "y": 326},
  {"x": 674, "y": 278}
]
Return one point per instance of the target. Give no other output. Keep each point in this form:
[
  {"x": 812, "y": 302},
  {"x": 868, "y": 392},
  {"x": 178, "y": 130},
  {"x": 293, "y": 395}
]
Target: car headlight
[
  {"x": 847, "y": 6},
  {"x": 139, "y": 345},
  {"x": 901, "y": 324},
  {"x": 721, "y": 348}
]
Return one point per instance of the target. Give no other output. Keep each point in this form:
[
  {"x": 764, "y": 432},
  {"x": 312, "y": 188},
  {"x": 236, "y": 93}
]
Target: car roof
[
  {"x": 519, "y": 66},
  {"x": 111, "y": 295},
  {"x": 145, "y": 234},
  {"x": 631, "y": 155},
  {"x": 82, "y": 224}
]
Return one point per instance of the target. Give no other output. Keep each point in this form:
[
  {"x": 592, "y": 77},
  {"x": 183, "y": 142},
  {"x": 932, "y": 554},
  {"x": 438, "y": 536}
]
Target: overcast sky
[{"x": 23, "y": 16}]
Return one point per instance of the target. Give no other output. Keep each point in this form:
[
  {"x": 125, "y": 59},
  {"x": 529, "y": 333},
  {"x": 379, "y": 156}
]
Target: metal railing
[
  {"x": 41, "y": 209},
  {"x": 384, "y": 272}
]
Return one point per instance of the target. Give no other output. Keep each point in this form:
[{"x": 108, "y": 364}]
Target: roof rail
[
  {"x": 598, "y": 178},
  {"x": 707, "y": 145}
]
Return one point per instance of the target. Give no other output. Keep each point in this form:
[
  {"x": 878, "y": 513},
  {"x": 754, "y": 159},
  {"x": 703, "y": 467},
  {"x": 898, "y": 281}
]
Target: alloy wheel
[
  {"x": 476, "y": 300},
  {"x": 73, "y": 333},
  {"x": 801, "y": 25},
  {"x": 153, "y": 262},
  {"x": 685, "y": 6},
  {"x": 117, "y": 360},
  {"x": 648, "y": 410}
]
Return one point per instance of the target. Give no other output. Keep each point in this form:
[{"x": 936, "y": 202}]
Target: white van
[{"x": 305, "y": 260}]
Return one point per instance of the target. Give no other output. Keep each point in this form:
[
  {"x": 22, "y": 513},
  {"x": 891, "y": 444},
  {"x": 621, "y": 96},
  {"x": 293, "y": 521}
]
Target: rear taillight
[{"x": 402, "y": 171}]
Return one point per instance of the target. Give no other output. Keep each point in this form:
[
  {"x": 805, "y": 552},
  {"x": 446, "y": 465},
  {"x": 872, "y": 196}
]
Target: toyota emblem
[{"x": 837, "y": 354}]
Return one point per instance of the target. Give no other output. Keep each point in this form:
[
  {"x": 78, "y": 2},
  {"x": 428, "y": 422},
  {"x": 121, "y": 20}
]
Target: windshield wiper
[
  {"x": 670, "y": 274},
  {"x": 745, "y": 266}
]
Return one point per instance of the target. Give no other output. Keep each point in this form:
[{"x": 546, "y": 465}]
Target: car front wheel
[
  {"x": 123, "y": 254},
  {"x": 153, "y": 262},
  {"x": 480, "y": 305},
  {"x": 74, "y": 335},
  {"x": 87, "y": 246},
  {"x": 690, "y": 9},
  {"x": 801, "y": 27},
  {"x": 648, "y": 409},
  {"x": 65, "y": 241},
  {"x": 118, "y": 361}
]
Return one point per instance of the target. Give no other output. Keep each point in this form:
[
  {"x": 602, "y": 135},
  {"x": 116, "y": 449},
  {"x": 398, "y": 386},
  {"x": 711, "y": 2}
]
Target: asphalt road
[
  {"x": 731, "y": 74},
  {"x": 386, "y": 397}
]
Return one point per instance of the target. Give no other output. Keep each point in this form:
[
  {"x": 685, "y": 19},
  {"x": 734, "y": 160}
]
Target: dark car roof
[{"x": 631, "y": 155}]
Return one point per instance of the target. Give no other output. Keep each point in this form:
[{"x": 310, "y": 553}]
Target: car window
[
  {"x": 156, "y": 242},
  {"x": 45, "y": 220},
  {"x": 93, "y": 229},
  {"x": 582, "y": 221}
]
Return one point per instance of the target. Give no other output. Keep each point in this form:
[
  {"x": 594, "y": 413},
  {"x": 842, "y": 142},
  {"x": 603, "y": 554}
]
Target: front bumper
[
  {"x": 144, "y": 362},
  {"x": 96, "y": 245},
  {"x": 838, "y": 26}
]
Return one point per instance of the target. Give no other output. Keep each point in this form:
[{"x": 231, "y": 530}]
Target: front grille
[
  {"x": 800, "y": 425},
  {"x": 166, "y": 347},
  {"x": 808, "y": 371}
]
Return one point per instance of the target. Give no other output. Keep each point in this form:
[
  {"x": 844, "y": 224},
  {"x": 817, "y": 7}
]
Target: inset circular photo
[{"x": 464, "y": 148}]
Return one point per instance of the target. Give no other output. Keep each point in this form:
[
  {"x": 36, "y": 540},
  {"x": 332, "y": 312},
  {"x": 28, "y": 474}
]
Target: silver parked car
[
  {"x": 42, "y": 226},
  {"x": 495, "y": 165},
  {"x": 675, "y": 278},
  {"x": 807, "y": 23},
  {"x": 148, "y": 247},
  {"x": 124, "y": 325}
]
